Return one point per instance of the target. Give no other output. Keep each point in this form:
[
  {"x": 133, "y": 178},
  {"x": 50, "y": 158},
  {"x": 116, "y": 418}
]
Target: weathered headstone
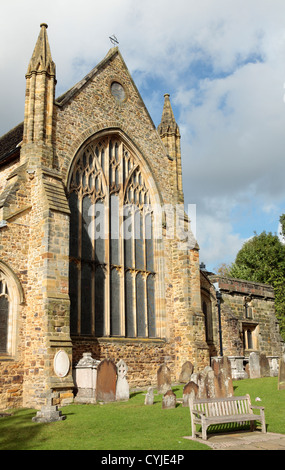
[
  {"x": 163, "y": 379},
  {"x": 201, "y": 382},
  {"x": 264, "y": 366},
  {"x": 254, "y": 365},
  {"x": 122, "y": 386},
  {"x": 49, "y": 412},
  {"x": 186, "y": 372},
  {"x": 210, "y": 384},
  {"x": 85, "y": 379},
  {"x": 189, "y": 391},
  {"x": 149, "y": 398},
  {"x": 223, "y": 377},
  {"x": 106, "y": 381},
  {"x": 281, "y": 373},
  {"x": 169, "y": 400},
  {"x": 237, "y": 367}
]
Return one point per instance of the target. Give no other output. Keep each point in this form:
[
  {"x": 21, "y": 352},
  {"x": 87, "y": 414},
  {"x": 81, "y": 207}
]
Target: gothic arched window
[
  {"x": 4, "y": 315},
  {"x": 11, "y": 297},
  {"x": 112, "y": 268}
]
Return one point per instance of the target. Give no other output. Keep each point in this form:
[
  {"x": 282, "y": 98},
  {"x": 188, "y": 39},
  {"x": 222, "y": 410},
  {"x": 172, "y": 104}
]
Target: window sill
[
  {"x": 119, "y": 339},
  {"x": 6, "y": 357}
]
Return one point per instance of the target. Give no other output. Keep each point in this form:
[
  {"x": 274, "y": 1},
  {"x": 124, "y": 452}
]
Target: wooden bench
[{"x": 207, "y": 412}]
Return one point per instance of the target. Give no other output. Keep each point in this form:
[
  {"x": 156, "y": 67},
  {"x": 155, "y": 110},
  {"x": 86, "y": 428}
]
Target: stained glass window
[{"x": 111, "y": 276}]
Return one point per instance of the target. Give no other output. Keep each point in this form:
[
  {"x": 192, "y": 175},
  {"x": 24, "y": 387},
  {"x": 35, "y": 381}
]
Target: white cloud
[{"x": 223, "y": 62}]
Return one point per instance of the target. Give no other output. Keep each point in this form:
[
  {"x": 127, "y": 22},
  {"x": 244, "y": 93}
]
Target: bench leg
[
  {"x": 204, "y": 430},
  {"x": 193, "y": 426},
  {"x": 252, "y": 425},
  {"x": 263, "y": 424}
]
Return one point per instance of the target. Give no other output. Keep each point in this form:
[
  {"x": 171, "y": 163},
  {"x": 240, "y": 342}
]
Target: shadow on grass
[{"x": 17, "y": 430}]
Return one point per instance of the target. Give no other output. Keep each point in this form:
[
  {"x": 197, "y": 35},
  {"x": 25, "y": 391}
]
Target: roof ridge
[{"x": 65, "y": 97}]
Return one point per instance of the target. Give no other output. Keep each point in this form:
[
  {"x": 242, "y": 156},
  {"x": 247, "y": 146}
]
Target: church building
[{"x": 96, "y": 253}]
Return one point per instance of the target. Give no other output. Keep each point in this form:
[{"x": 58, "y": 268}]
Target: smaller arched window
[
  {"x": 4, "y": 315},
  {"x": 207, "y": 310},
  {"x": 11, "y": 296}
]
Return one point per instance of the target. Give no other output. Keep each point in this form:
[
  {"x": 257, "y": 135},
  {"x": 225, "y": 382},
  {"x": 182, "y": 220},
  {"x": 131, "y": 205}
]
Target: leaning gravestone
[
  {"x": 122, "y": 386},
  {"x": 281, "y": 373},
  {"x": 106, "y": 381},
  {"x": 254, "y": 365},
  {"x": 189, "y": 391},
  {"x": 169, "y": 400},
  {"x": 186, "y": 372},
  {"x": 264, "y": 366},
  {"x": 163, "y": 379}
]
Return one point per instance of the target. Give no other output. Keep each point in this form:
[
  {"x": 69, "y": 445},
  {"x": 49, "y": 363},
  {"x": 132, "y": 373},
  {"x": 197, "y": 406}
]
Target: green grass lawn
[{"x": 129, "y": 425}]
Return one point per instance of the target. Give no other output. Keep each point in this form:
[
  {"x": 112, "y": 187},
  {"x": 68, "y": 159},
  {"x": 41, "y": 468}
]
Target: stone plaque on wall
[{"x": 61, "y": 364}]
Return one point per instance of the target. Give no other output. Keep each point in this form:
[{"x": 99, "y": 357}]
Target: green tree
[
  {"x": 282, "y": 222},
  {"x": 262, "y": 259}
]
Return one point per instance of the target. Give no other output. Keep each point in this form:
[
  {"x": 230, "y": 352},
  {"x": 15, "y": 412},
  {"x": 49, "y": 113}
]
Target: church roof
[
  {"x": 42, "y": 60},
  {"x": 65, "y": 97},
  {"x": 10, "y": 143}
]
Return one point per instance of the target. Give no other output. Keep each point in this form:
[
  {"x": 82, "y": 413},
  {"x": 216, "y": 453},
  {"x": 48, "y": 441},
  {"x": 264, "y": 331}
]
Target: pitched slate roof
[{"x": 9, "y": 143}]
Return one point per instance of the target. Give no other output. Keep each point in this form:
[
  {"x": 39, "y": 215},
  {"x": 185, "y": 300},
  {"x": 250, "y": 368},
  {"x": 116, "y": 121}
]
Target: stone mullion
[
  {"x": 80, "y": 221},
  {"x": 107, "y": 320},
  {"x": 93, "y": 287},
  {"x": 121, "y": 239},
  {"x": 145, "y": 274}
]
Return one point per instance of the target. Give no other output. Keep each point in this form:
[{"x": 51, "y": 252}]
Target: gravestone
[
  {"x": 264, "y": 366},
  {"x": 85, "y": 379},
  {"x": 281, "y": 373},
  {"x": 149, "y": 398},
  {"x": 122, "y": 386},
  {"x": 186, "y": 372},
  {"x": 106, "y": 381},
  {"x": 254, "y": 365},
  {"x": 223, "y": 377},
  {"x": 163, "y": 379},
  {"x": 274, "y": 366},
  {"x": 169, "y": 400},
  {"x": 201, "y": 382},
  {"x": 49, "y": 412},
  {"x": 210, "y": 384},
  {"x": 189, "y": 391}
]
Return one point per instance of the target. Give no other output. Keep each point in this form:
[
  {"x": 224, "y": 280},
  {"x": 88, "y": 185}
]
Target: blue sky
[{"x": 223, "y": 63}]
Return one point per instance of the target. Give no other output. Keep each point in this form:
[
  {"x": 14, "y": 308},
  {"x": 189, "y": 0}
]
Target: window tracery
[{"x": 112, "y": 276}]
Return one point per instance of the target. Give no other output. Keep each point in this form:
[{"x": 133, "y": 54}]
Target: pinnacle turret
[
  {"x": 39, "y": 104},
  {"x": 170, "y": 135},
  {"x": 168, "y": 125},
  {"x": 41, "y": 60}
]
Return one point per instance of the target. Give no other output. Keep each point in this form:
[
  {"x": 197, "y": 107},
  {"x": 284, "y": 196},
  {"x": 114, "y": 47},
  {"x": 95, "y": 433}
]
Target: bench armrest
[
  {"x": 198, "y": 413},
  {"x": 254, "y": 407}
]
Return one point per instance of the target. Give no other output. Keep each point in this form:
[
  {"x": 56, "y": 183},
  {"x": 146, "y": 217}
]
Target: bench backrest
[{"x": 222, "y": 406}]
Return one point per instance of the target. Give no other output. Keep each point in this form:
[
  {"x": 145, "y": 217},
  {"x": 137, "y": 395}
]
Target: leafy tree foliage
[
  {"x": 282, "y": 222},
  {"x": 262, "y": 259}
]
